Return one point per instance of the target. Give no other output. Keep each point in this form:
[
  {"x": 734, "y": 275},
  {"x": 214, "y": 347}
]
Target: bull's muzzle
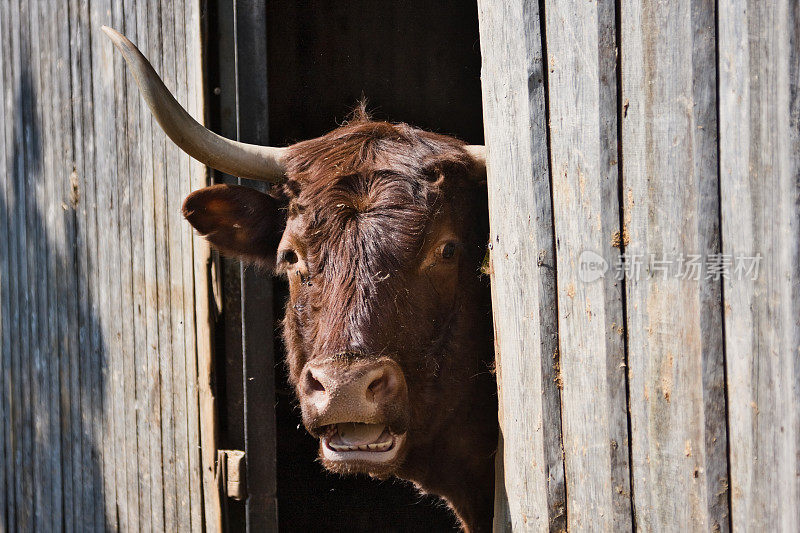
[{"x": 342, "y": 389}]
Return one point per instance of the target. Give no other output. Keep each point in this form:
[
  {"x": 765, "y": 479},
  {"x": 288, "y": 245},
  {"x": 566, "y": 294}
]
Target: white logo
[{"x": 591, "y": 266}]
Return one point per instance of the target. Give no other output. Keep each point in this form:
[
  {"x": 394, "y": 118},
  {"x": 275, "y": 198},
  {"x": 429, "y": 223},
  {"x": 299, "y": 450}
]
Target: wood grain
[
  {"x": 202, "y": 305},
  {"x": 197, "y": 335},
  {"x": 6, "y": 303},
  {"x": 759, "y": 66},
  {"x": 124, "y": 412},
  {"x": 107, "y": 232},
  {"x": 66, "y": 385},
  {"x": 97, "y": 288},
  {"x": 28, "y": 144},
  {"x": 582, "y": 96},
  {"x": 136, "y": 137},
  {"x": 91, "y": 511},
  {"x": 671, "y": 198},
  {"x": 522, "y": 263},
  {"x": 39, "y": 169},
  {"x": 152, "y": 380}
]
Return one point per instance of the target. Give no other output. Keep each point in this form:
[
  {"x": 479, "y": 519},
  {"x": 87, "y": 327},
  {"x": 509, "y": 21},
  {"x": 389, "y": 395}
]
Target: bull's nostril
[
  {"x": 313, "y": 384},
  {"x": 377, "y": 385},
  {"x": 379, "y": 388}
]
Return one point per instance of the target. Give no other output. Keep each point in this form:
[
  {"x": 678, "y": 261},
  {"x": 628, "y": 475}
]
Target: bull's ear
[{"x": 239, "y": 221}]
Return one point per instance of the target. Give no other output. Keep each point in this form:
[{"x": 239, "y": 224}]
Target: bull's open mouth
[{"x": 354, "y": 441}]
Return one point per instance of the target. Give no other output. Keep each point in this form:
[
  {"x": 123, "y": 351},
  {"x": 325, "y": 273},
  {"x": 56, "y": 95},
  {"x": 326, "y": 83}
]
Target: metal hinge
[{"x": 231, "y": 474}]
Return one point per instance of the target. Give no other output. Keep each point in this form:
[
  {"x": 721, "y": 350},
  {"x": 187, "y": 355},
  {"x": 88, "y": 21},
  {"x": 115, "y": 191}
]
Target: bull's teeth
[{"x": 372, "y": 447}]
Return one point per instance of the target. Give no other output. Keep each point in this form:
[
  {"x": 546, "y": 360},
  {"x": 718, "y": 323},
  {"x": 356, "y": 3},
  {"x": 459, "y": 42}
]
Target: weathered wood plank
[
  {"x": 107, "y": 262},
  {"x": 28, "y": 319},
  {"x": 174, "y": 174},
  {"x": 90, "y": 516},
  {"x": 137, "y": 138},
  {"x": 152, "y": 380},
  {"x": 203, "y": 314},
  {"x": 152, "y": 383},
  {"x": 136, "y": 352},
  {"x": 11, "y": 318},
  {"x": 204, "y": 321},
  {"x": 93, "y": 516},
  {"x": 202, "y": 305},
  {"x": 50, "y": 240},
  {"x": 759, "y": 87},
  {"x": 523, "y": 296},
  {"x": 38, "y": 156},
  {"x": 177, "y": 228},
  {"x": 66, "y": 385},
  {"x": 582, "y": 96},
  {"x": 62, "y": 269},
  {"x": 671, "y": 212},
  {"x": 6, "y": 333},
  {"x": 18, "y": 516},
  {"x": 162, "y": 162},
  {"x": 49, "y": 440},
  {"x": 37, "y": 176},
  {"x": 127, "y": 179},
  {"x": 117, "y": 275},
  {"x": 190, "y": 75}
]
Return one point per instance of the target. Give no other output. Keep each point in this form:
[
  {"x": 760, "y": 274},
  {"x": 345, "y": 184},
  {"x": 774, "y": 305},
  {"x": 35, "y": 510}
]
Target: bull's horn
[
  {"x": 478, "y": 153},
  {"x": 232, "y": 157}
]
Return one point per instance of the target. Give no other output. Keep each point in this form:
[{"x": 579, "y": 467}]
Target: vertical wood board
[
  {"x": 671, "y": 214},
  {"x": 522, "y": 262},
  {"x": 759, "y": 87},
  {"x": 582, "y": 97}
]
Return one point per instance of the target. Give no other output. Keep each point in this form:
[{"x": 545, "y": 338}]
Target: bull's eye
[
  {"x": 289, "y": 257},
  {"x": 448, "y": 250}
]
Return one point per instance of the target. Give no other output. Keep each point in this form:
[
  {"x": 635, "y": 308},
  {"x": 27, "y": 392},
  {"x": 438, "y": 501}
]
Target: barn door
[{"x": 237, "y": 85}]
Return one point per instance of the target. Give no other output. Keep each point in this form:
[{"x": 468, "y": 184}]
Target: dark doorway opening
[{"x": 415, "y": 61}]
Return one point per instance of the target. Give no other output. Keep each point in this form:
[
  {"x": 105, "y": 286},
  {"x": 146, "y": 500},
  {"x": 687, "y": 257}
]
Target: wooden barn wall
[
  {"x": 759, "y": 95},
  {"x": 646, "y": 139},
  {"x": 99, "y": 411}
]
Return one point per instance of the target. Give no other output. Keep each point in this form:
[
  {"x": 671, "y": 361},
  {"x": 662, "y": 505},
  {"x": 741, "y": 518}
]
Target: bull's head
[{"x": 380, "y": 229}]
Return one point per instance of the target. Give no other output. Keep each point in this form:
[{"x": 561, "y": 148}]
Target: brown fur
[{"x": 367, "y": 208}]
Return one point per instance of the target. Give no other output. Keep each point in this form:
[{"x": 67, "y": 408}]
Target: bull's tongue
[{"x": 353, "y": 434}]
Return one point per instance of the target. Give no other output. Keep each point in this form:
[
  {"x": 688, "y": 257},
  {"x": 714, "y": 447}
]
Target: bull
[{"x": 381, "y": 230}]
